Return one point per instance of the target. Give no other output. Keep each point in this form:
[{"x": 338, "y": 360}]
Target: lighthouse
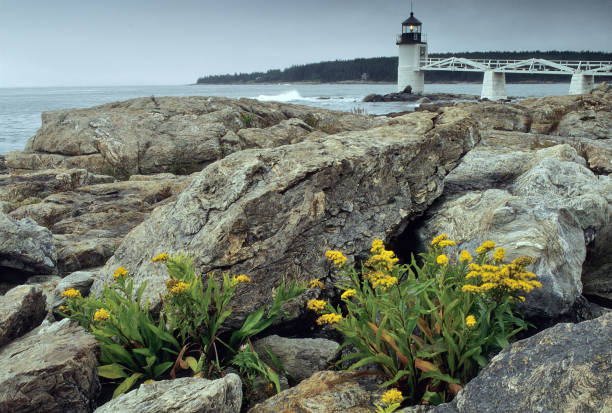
[{"x": 412, "y": 49}]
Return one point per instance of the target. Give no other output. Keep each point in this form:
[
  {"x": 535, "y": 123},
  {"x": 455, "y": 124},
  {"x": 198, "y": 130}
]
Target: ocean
[{"x": 21, "y": 108}]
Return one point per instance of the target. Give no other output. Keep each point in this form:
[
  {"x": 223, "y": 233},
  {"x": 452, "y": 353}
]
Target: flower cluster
[
  {"x": 101, "y": 315},
  {"x": 120, "y": 272},
  {"x": 470, "y": 321},
  {"x": 331, "y": 318},
  {"x": 336, "y": 256},
  {"x": 316, "y": 305},
  {"x": 242, "y": 279},
  {"x": 348, "y": 294},
  {"x": 71, "y": 293},
  {"x": 163, "y": 257},
  {"x": 392, "y": 396},
  {"x": 485, "y": 247},
  {"x": 316, "y": 284},
  {"x": 179, "y": 287},
  {"x": 381, "y": 259},
  {"x": 501, "y": 279},
  {"x": 465, "y": 257},
  {"x": 442, "y": 260}
]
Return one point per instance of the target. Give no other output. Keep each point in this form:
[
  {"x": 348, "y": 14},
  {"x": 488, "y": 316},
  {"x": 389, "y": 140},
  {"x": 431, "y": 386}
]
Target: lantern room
[{"x": 411, "y": 31}]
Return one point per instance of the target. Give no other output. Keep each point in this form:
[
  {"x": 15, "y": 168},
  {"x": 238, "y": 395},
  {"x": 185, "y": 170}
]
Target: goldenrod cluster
[
  {"x": 242, "y": 279},
  {"x": 71, "y": 293},
  {"x": 438, "y": 239},
  {"x": 392, "y": 396},
  {"x": 163, "y": 257},
  {"x": 470, "y": 321},
  {"x": 120, "y": 272},
  {"x": 336, "y": 256},
  {"x": 348, "y": 294},
  {"x": 465, "y": 257},
  {"x": 381, "y": 258},
  {"x": 316, "y": 305},
  {"x": 502, "y": 278},
  {"x": 331, "y": 318},
  {"x": 485, "y": 247},
  {"x": 442, "y": 260},
  {"x": 101, "y": 315},
  {"x": 316, "y": 284},
  {"x": 179, "y": 287}
]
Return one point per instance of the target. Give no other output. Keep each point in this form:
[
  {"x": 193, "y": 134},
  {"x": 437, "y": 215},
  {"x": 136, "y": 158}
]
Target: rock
[
  {"x": 89, "y": 222},
  {"x": 409, "y": 97},
  {"x": 48, "y": 284},
  {"x": 284, "y": 133},
  {"x": 301, "y": 357},
  {"x": 26, "y": 246},
  {"x": 78, "y": 280},
  {"x": 185, "y": 395},
  {"x": 274, "y": 212},
  {"x": 3, "y": 168},
  {"x": 151, "y": 135},
  {"x": 566, "y": 368},
  {"x": 424, "y": 100},
  {"x": 543, "y": 203},
  {"x": 324, "y": 392},
  {"x": 21, "y": 309},
  {"x": 597, "y": 268},
  {"x": 30, "y": 188},
  {"x": 51, "y": 369}
]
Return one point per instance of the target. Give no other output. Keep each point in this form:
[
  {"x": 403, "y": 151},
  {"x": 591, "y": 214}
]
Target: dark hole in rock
[
  {"x": 10, "y": 277},
  {"x": 409, "y": 243}
]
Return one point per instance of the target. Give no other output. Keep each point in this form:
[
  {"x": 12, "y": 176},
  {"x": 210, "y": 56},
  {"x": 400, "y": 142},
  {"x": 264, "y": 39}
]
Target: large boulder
[
  {"x": 21, "y": 309},
  {"x": 300, "y": 357},
  {"x": 166, "y": 134},
  {"x": 185, "y": 395},
  {"x": 566, "y": 368},
  {"x": 52, "y": 369},
  {"x": 25, "y": 246},
  {"x": 273, "y": 213},
  {"x": 324, "y": 392},
  {"x": 543, "y": 203}
]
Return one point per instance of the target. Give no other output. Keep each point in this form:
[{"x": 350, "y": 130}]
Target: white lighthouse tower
[{"x": 411, "y": 50}]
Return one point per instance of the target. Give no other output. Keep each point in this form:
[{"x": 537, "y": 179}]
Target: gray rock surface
[
  {"x": 21, "y": 309},
  {"x": 543, "y": 203},
  {"x": 166, "y": 134},
  {"x": 184, "y": 395},
  {"x": 324, "y": 392},
  {"x": 273, "y": 213},
  {"x": 79, "y": 280},
  {"x": 566, "y": 368},
  {"x": 26, "y": 246},
  {"x": 52, "y": 369},
  {"x": 301, "y": 357}
]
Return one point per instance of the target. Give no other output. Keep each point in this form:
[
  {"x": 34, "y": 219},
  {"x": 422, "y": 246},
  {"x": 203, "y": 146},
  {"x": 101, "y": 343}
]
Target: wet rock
[
  {"x": 185, "y": 395},
  {"x": 271, "y": 213},
  {"x": 324, "y": 392},
  {"x": 51, "y": 369},
  {"x": 21, "y": 309},
  {"x": 566, "y": 368},
  {"x": 26, "y": 246},
  {"x": 301, "y": 357}
]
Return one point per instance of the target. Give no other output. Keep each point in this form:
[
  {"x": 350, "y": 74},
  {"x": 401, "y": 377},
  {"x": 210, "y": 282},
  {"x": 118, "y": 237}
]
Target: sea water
[{"x": 21, "y": 108}]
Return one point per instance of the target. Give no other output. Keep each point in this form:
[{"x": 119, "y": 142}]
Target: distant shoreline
[{"x": 366, "y": 82}]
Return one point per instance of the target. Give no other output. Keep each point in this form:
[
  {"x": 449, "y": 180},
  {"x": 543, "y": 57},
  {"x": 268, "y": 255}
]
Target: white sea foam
[{"x": 289, "y": 96}]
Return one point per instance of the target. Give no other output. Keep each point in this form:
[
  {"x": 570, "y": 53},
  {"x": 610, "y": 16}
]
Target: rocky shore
[{"x": 265, "y": 189}]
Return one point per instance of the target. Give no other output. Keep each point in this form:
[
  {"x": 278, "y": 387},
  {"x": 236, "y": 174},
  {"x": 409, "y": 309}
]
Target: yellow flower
[
  {"x": 524, "y": 261},
  {"x": 439, "y": 238},
  {"x": 163, "y": 257},
  {"x": 385, "y": 282},
  {"x": 377, "y": 245},
  {"x": 445, "y": 243},
  {"x": 317, "y": 284},
  {"x": 120, "y": 272},
  {"x": 179, "y": 288},
  {"x": 62, "y": 308},
  {"x": 392, "y": 396},
  {"x": 465, "y": 256},
  {"x": 101, "y": 315},
  {"x": 336, "y": 256},
  {"x": 242, "y": 279},
  {"x": 486, "y": 246},
  {"x": 330, "y": 318},
  {"x": 348, "y": 294},
  {"x": 500, "y": 254},
  {"x": 470, "y": 321},
  {"x": 442, "y": 260},
  {"x": 316, "y": 305},
  {"x": 71, "y": 293}
]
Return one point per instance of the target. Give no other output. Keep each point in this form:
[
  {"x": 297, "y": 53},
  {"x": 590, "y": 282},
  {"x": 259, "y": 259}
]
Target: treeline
[{"x": 384, "y": 69}]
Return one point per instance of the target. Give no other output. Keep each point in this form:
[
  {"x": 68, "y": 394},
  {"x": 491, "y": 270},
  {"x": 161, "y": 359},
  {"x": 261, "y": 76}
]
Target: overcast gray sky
[{"x": 153, "y": 42}]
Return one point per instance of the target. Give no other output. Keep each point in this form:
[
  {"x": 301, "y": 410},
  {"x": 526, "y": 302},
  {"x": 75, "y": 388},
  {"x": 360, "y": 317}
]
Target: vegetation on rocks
[{"x": 428, "y": 327}]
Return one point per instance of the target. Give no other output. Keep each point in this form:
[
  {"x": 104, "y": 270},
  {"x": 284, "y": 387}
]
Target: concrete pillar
[
  {"x": 493, "y": 86},
  {"x": 581, "y": 84},
  {"x": 407, "y": 76}
]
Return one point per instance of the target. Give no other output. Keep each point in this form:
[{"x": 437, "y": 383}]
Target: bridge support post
[
  {"x": 407, "y": 76},
  {"x": 581, "y": 84},
  {"x": 493, "y": 86}
]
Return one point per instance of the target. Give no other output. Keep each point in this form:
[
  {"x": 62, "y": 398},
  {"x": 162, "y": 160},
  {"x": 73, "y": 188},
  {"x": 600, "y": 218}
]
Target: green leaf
[
  {"x": 111, "y": 371},
  {"x": 193, "y": 363},
  {"x": 117, "y": 353},
  {"x": 162, "y": 368},
  {"x": 143, "y": 352},
  {"x": 127, "y": 384}
]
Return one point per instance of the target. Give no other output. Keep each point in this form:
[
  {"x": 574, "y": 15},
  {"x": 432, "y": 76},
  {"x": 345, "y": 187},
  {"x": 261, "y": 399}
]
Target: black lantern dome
[{"x": 411, "y": 31}]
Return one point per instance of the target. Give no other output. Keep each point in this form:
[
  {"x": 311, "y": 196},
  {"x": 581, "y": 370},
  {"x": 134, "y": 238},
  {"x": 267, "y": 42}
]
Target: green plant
[
  {"x": 247, "y": 120},
  {"x": 428, "y": 327},
  {"x": 133, "y": 346},
  {"x": 251, "y": 366}
]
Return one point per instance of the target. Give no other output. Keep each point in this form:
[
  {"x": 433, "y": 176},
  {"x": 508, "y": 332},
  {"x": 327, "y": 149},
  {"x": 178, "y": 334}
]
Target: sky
[{"x": 153, "y": 42}]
